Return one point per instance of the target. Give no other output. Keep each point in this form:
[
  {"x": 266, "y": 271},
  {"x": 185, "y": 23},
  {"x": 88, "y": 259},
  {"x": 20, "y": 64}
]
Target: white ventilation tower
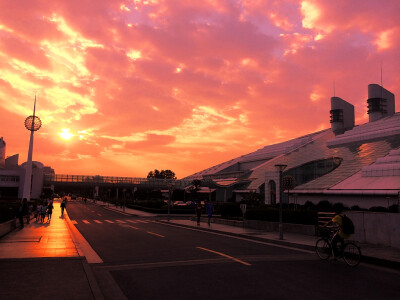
[
  {"x": 380, "y": 102},
  {"x": 342, "y": 115},
  {"x": 2, "y": 153}
]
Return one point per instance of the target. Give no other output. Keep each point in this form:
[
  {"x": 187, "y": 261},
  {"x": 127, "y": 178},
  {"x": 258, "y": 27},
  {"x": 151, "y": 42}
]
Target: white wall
[{"x": 376, "y": 228}]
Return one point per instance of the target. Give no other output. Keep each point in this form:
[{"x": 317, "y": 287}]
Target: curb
[
  {"x": 365, "y": 259},
  {"x": 82, "y": 246}
]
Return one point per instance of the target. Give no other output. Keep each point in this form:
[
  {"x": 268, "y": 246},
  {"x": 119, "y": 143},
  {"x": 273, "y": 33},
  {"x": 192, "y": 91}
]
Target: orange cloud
[{"x": 183, "y": 85}]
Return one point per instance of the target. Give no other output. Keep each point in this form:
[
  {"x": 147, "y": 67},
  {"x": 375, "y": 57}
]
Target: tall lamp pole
[
  {"x": 32, "y": 123},
  {"x": 170, "y": 191},
  {"x": 280, "y": 168}
]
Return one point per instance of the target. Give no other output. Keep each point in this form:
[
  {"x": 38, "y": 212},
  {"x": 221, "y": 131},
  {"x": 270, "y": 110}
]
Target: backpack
[{"x": 347, "y": 225}]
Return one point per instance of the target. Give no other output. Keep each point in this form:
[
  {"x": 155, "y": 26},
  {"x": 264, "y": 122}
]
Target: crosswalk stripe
[
  {"x": 108, "y": 221},
  {"x": 120, "y": 221},
  {"x": 74, "y": 222},
  {"x": 98, "y": 222},
  {"x": 142, "y": 221},
  {"x": 85, "y": 221},
  {"x": 134, "y": 222}
]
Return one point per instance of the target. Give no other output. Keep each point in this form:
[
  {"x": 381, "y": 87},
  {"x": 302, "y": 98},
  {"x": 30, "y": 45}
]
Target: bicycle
[{"x": 350, "y": 252}]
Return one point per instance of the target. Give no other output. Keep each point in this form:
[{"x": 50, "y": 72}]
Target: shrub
[
  {"x": 324, "y": 205},
  {"x": 394, "y": 208},
  {"x": 378, "y": 209},
  {"x": 263, "y": 213},
  {"x": 339, "y": 206},
  {"x": 308, "y": 206},
  {"x": 155, "y": 203},
  {"x": 271, "y": 214},
  {"x": 230, "y": 210}
]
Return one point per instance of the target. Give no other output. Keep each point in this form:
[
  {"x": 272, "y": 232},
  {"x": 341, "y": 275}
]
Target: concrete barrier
[
  {"x": 376, "y": 227},
  {"x": 7, "y": 227}
]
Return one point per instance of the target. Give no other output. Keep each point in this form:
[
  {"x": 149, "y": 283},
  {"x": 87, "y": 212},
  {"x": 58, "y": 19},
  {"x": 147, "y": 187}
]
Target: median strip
[{"x": 225, "y": 255}]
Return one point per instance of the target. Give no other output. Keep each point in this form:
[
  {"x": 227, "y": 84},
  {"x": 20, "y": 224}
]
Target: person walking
[
  {"x": 22, "y": 211},
  {"x": 30, "y": 210},
  {"x": 209, "y": 210},
  {"x": 49, "y": 211},
  {"x": 198, "y": 209},
  {"x": 43, "y": 212},
  {"x": 38, "y": 211},
  {"x": 63, "y": 205}
]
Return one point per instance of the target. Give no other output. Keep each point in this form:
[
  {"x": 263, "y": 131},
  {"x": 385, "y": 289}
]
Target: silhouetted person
[
  {"x": 210, "y": 210},
  {"x": 49, "y": 211},
  {"x": 63, "y": 205},
  {"x": 340, "y": 236},
  {"x": 198, "y": 209},
  {"x": 22, "y": 211}
]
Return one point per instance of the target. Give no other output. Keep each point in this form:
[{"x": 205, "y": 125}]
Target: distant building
[
  {"x": 12, "y": 176},
  {"x": 354, "y": 165}
]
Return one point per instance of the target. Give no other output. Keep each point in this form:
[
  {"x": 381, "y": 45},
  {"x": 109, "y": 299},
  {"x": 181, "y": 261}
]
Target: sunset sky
[{"x": 125, "y": 87}]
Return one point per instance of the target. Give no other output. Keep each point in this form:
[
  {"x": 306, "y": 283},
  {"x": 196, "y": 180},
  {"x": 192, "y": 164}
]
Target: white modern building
[
  {"x": 347, "y": 163},
  {"x": 12, "y": 175}
]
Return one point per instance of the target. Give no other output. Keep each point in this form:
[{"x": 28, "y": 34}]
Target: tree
[
  {"x": 252, "y": 198},
  {"x": 163, "y": 174}
]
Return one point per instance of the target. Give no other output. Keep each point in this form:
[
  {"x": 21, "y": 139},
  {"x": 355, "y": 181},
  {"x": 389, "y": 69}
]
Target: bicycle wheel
[
  {"x": 323, "y": 249},
  {"x": 351, "y": 254}
]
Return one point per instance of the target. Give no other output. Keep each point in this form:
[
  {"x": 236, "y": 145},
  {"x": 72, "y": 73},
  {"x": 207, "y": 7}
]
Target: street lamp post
[
  {"x": 32, "y": 123},
  {"x": 170, "y": 190},
  {"x": 280, "y": 168}
]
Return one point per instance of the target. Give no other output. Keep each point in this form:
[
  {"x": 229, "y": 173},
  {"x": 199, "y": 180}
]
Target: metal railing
[{"x": 106, "y": 180}]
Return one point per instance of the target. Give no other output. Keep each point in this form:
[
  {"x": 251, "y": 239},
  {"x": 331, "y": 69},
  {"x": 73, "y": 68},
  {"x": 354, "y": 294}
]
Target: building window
[
  {"x": 5, "y": 178},
  {"x": 272, "y": 191}
]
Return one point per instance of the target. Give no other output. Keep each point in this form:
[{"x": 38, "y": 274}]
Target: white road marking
[
  {"x": 85, "y": 221},
  {"x": 98, "y": 222},
  {"x": 108, "y": 221},
  {"x": 225, "y": 255},
  {"x": 134, "y": 222},
  {"x": 120, "y": 221},
  {"x": 149, "y": 232},
  {"x": 74, "y": 222},
  {"x": 240, "y": 238}
]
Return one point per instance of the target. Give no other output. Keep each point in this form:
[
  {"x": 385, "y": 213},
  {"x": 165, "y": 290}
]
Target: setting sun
[{"x": 65, "y": 134}]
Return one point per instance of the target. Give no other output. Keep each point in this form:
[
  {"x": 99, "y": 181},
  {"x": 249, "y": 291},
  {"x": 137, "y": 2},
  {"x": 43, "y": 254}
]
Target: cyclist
[{"x": 340, "y": 236}]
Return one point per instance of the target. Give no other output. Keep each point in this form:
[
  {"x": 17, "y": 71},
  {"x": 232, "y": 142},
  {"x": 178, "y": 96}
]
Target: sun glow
[{"x": 65, "y": 134}]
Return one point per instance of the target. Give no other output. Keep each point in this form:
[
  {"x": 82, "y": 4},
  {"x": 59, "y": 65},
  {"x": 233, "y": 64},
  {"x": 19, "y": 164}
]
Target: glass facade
[{"x": 313, "y": 169}]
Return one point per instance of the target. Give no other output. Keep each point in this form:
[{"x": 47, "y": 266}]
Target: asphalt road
[{"x": 145, "y": 259}]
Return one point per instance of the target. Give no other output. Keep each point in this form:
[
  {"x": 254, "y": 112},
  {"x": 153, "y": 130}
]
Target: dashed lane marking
[
  {"x": 134, "y": 222},
  {"x": 85, "y": 221},
  {"x": 156, "y": 234},
  {"x": 225, "y": 255},
  {"x": 98, "y": 222},
  {"x": 108, "y": 221},
  {"x": 140, "y": 221}
]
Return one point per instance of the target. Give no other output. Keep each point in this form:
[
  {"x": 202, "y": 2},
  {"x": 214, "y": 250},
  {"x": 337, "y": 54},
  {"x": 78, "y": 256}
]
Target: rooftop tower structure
[
  {"x": 380, "y": 102},
  {"x": 2, "y": 153},
  {"x": 342, "y": 115}
]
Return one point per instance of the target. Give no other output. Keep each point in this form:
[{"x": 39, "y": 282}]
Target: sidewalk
[
  {"x": 374, "y": 254},
  {"x": 44, "y": 260}
]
